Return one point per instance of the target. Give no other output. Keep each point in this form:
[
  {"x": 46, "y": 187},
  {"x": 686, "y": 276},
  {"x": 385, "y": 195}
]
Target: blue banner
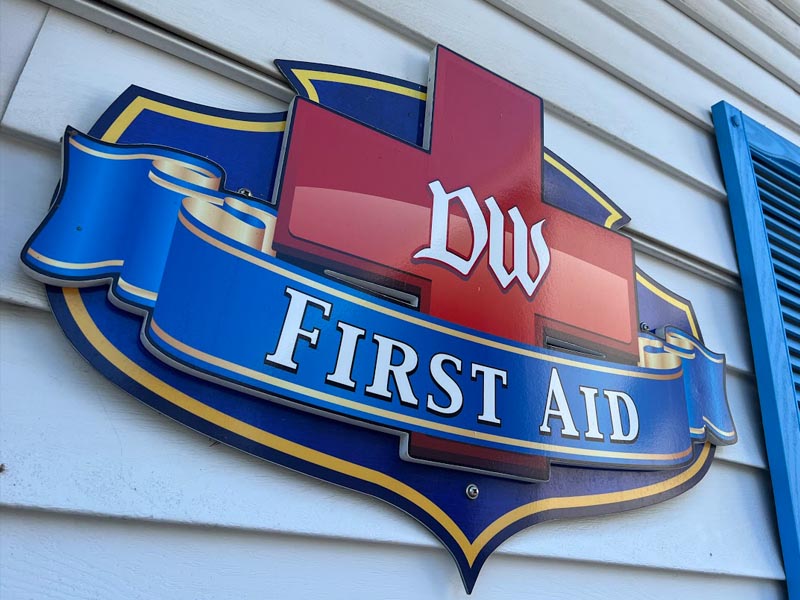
[{"x": 197, "y": 261}]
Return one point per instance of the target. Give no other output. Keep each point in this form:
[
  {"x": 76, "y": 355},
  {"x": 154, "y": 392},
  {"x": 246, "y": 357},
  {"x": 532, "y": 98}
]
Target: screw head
[
  {"x": 644, "y": 326},
  {"x": 472, "y": 491}
]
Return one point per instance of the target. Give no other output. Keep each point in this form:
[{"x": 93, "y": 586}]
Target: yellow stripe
[
  {"x": 137, "y": 291},
  {"x": 613, "y": 214},
  {"x": 471, "y": 550},
  {"x": 307, "y": 77},
  {"x": 701, "y": 430},
  {"x": 73, "y": 265},
  {"x": 674, "y": 301},
  {"x": 718, "y": 430},
  {"x": 127, "y": 116},
  {"x": 140, "y": 156},
  {"x": 540, "y": 506},
  {"x": 184, "y": 191},
  {"x": 705, "y": 353}
]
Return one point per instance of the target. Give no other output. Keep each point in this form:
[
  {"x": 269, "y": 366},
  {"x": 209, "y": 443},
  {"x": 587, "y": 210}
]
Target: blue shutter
[{"x": 762, "y": 176}]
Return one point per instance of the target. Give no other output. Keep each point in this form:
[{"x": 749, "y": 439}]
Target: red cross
[{"x": 357, "y": 200}]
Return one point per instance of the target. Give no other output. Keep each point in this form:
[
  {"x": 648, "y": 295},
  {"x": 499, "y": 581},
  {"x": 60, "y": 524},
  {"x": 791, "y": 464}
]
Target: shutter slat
[
  {"x": 788, "y": 284},
  {"x": 792, "y": 332},
  {"x": 787, "y": 287},
  {"x": 780, "y": 208},
  {"x": 784, "y": 234},
  {"x": 787, "y": 299},
  {"x": 775, "y": 166},
  {"x": 787, "y": 269},
  {"x": 790, "y": 315},
  {"x": 764, "y": 173},
  {"x": 787, "y": 257}
]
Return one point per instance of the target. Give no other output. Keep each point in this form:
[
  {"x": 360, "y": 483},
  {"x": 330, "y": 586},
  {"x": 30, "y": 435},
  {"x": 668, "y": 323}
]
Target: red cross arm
[{"x": 359, "y": 201}]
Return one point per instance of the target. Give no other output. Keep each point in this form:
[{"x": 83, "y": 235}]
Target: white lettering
[
  {"x": 495, "y": 235},
  {"x": 342, "y": 373},
  {"x": 446, "y": 383},
  {"x": 616, "y": 418},
  {"x": 519, "y": 242},
  {"x": 439, "y": 226},
  {"x": 384, "y": 369},
  {"x": 293, "y": 328},
  {"x": 490, "y": 377},
  {"x": 555, "y": 392},
  {"x": 590, "y": 400}
]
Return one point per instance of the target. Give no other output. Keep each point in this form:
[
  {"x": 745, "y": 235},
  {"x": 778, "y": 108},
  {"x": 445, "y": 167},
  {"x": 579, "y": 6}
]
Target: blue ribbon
[{"x": 158, "y": 225}]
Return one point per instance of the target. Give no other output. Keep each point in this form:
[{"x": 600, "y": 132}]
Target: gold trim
[
  {"x": 593, "y": 500},
  {"x": 674, "y": 301},
  {"x": 179, "y": 189},
  {"x": 306, "y": 76},
  {"x": 681, "y": 341},
  {"x": 471, "y": 550},
  {"x": 140, "y": 103},
  {"x": 613, "y": 214},
  {"x": 718, "y": 430},
  {"x": 94, "y": 336},
  {"x": 662, "y": 359},
  {"x": 221, "y": 221},
  {"x": 176, "y": 166},
  {"x": 189, "y": 173},
  {"x": 136, "y": 290},
  {"x": 269, "y": 220},
  {"x": 71, "y": 265}
]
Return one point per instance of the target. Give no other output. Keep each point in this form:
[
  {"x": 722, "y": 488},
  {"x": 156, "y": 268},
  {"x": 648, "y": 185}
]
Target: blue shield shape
[{"x": 115, "y": 312}]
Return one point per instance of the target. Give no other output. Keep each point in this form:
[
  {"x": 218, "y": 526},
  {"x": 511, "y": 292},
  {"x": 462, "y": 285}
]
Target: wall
[{"x": 103, "y": 498}]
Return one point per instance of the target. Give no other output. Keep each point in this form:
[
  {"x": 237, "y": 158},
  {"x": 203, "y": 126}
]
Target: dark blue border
[{"x": 490, "y": 486}]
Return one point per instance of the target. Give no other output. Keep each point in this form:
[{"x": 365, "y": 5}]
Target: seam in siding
[{"x": 24, "y": 64}]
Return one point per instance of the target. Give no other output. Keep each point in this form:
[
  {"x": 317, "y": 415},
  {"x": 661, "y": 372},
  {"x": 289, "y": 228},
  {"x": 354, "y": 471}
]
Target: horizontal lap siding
[
  {"x": 739, "y": 31},
  {"x": 207, "y": 565},
  {"x": 108, "y": 487},
  {"x": 651, "y": 69},
  {"x": 674, "y": 32}
]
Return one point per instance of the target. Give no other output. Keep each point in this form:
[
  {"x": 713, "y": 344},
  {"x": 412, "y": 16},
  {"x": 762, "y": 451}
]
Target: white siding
[{"x": 101, "y": 497}]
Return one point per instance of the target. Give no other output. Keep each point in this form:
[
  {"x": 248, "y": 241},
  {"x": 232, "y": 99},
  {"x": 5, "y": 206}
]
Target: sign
[{"x": 392, "y": 288}]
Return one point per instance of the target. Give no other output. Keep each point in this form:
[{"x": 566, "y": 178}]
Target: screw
[
  {"x": 472, "y": 491},
  {"x": 245, "y": 192},
  {"x": 644, "y": 326}
]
